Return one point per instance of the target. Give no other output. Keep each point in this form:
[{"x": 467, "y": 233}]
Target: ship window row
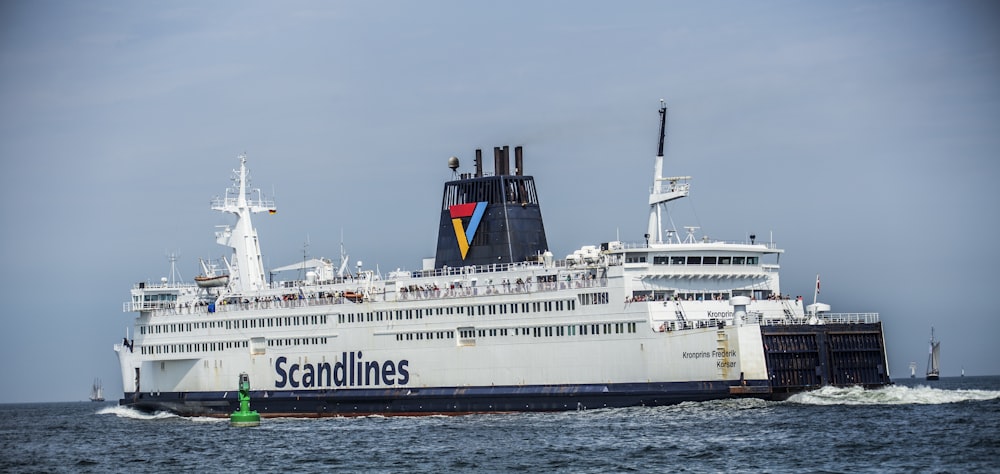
[
  {"x": 667, "y": 295},
  {"x": 584, "y": 329},
  {"x": 425, "y": 336},
  {"x": 477, "y": 310},
  {"x": 594, "y": 298},
  {"x": 467, "y": 334},
  {"x": 296, "y": 341},
  {"x": 313, "y": 319},
  {"x": 399, "y": 314},
  {"x": 702, "y": 260},
  {"x": 196, "y": 347},
  {"x": 157, "y": 297},
  {"x": 222, "y": 346}
]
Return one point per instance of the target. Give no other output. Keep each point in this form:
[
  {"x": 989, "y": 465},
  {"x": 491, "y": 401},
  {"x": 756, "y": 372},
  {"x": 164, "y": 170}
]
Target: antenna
[
  {"x": 663, "y": 127},
  {"x": 175, "y": 275},
  {"x": 664, "y": 189},
  {"x": 343, "y": 256},
  {"x": 690, "y": 230},
  {"x": 305, "y": 253}
]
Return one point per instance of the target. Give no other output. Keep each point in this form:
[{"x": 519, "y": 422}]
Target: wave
[
  {"x": 126, "y": 412},
  {"x": 892, "y": 395}
]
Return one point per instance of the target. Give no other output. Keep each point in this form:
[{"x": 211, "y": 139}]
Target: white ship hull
[
  {"x": 621, "y": 325},
  {"x": 305, "y": 354}
]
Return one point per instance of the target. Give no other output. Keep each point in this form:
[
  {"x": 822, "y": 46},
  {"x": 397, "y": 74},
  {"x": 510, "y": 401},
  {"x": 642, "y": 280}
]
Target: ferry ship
[{"x": 492, "y": 323}]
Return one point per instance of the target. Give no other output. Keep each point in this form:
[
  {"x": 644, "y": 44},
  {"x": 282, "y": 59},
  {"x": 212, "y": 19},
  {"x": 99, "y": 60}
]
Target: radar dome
[{"x": 453, "y": 163}]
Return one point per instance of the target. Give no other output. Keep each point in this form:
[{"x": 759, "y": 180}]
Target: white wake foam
[
  {"x": 126, "y": 412},
  {"x": 892, "y": 395}
]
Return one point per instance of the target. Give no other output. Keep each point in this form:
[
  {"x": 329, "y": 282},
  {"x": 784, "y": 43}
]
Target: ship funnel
[
  {"x": 497, "y": 156},
  {"x": 518, "y": 161},
  {"x": 487, "y": 220},
  {"x": 505, "y": 161}
]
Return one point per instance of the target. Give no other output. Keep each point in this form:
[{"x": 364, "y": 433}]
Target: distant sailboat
[
  {"x": 97, "y": 391},
  {"x": 933, "y": 359},
  {"x": 913, "y": 370}
]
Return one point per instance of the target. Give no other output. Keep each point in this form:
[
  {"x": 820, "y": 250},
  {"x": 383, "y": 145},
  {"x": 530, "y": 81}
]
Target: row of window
[
  {"x": 704, "y": 260},
  {"x": 155, "y": 297},
  {"x": 197, "y": 347},
  {"x": 477, "y": 310},
  {"x": 221, "y": 346},
  {"x": 421, "y": 336},
  {"x": 296, "y": 341},
  {"x": 594, "y": 298},
  {"x": 409, "y": 314},
  {"x": 313, "y": 319},
  {"x": 467, "y": 334},
  {"x": 320, "y": 319}
]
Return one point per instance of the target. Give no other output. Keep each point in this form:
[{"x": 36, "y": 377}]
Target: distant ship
[
  {"x": 97, "y": 391},
  {"x": 492, "y": 323},
  {"x": 933, "y": 359}
]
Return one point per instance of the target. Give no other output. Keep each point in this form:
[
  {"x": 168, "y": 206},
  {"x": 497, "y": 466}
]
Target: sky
[{"x": 861, "y": 137}]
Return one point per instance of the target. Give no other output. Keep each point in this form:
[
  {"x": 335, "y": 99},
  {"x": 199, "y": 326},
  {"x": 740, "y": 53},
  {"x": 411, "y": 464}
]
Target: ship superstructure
[{"x": 493, "y": 323}]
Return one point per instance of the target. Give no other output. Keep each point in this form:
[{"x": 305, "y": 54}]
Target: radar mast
[
  {"x": 246, "y": 270},
  {"x": 663, "y": 189}
]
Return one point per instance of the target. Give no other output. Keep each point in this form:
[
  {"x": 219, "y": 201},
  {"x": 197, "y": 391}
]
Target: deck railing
[
  {"x": 296, "y": 300},
  {"x": 823, "y": 318}
]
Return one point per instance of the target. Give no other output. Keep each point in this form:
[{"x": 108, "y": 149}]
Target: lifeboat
[
  {"x": 211, "y": 281},
  {"x": 355, "y": 297}
]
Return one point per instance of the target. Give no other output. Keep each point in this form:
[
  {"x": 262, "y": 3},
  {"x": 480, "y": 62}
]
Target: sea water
[{"x": 951, "y": 425}]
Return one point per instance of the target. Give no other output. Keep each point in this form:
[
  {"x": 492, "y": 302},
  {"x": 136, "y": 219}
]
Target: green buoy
[{"x": 244, "y": 416}]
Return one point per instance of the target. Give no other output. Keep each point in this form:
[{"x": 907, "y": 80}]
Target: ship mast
[
  {"x": 663, "y": 189},
  {"x": 246, "y": 268}
]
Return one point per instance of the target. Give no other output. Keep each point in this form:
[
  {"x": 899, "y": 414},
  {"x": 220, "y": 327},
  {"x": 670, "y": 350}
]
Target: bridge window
[{"x": 677, "y": 260}]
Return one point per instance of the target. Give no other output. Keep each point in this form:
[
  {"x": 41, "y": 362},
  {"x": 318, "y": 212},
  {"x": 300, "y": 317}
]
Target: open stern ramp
[{"x": 804, "y": 357}]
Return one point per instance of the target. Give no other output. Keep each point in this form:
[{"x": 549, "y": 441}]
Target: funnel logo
[{"x": 464, "y": 234}]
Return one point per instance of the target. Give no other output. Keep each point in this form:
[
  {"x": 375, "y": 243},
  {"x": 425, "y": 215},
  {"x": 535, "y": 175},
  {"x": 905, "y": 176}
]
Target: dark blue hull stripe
[{"x": 407, "y": 401}]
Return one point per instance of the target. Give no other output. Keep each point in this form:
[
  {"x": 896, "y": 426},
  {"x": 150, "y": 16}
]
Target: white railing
[
  {"x": 849, "y": 318},
  {"x": 761, "y": 319},
  {"x": 145, "y": 285},
  {"x": 823, "y": 318},
  {"x": 643, "y": 245},
  {"x": 509, "y": 288},
  {"x": 421, "y": 292}
]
